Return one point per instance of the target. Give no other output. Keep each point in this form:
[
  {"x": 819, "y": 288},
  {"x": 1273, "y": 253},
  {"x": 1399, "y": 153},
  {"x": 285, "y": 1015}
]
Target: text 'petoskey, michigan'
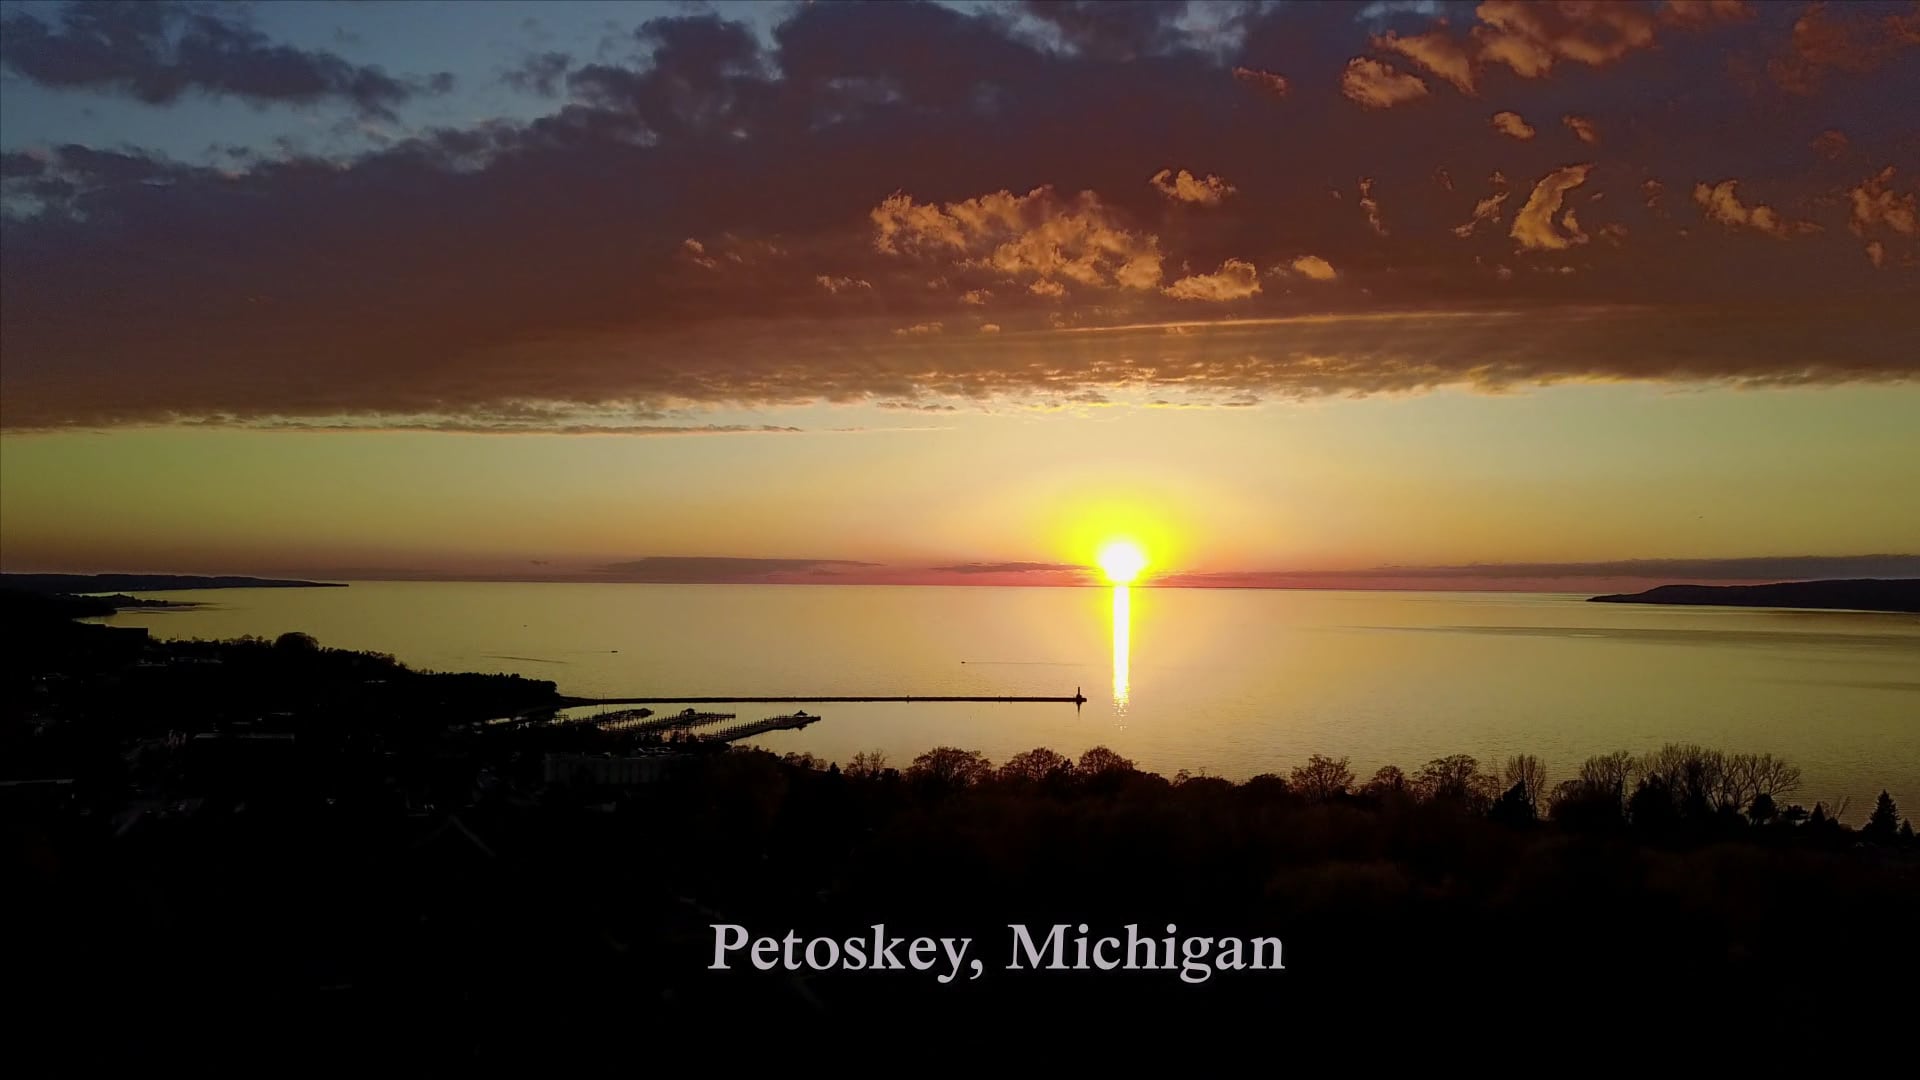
[{"x": 1061, "y": 947}]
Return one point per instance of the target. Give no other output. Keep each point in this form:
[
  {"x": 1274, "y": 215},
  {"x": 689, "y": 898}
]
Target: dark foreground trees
[{"x": 424, "y": 875}]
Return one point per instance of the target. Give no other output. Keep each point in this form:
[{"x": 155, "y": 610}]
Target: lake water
[{"x": 1233, "y": 682}]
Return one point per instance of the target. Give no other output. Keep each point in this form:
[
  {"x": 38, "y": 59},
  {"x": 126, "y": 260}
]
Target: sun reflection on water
[{"x": 1122, "y": 645}]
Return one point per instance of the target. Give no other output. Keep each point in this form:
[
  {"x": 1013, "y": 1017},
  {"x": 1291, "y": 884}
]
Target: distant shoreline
[
  {"x": 80, "y": 584},
  {"x": 1860, "y": 594}
]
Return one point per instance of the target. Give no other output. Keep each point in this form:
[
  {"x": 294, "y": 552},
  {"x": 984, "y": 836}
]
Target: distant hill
[
  {"x": 100, "y": 583},
  {"x": 1859, "y": 594}
]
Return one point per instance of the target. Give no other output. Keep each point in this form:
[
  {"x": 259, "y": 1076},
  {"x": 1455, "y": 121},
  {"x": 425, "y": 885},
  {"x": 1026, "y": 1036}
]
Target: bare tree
[
  {"x": 1612, "y": 773},
  {"x": 1526, "y": 772},
  {"x": 867, "y": 763},
  {"x": 1695, "y": 775},
  {"x": 1322, "y": 777},
  {"x": 1773, "y": 777}
]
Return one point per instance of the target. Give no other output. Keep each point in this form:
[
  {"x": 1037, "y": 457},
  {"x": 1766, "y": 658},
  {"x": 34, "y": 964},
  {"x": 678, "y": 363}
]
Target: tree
[
  {"x": 1695, "y": 777},
  {"x": 1099, "y": 761},
  {"x": 1608, "y": 774},
  {"x": 1387, "y": 780},
  {"x": 867, "y": 764},
  {"x": 1525, "y": 772},
  {"x": 1515, "y": 808},
  {"x": 1036, "y": 765},
  {"x": 293, "y": 641},
  {"x": 1762, "y": 810},
  {"x": 1749, "y": 776},
  {"x": 1585, "y": 804},
  {"x": 1653, "y": 807},
  {"x": 1457, "y": 779},
  {"x": 1267, "y": 787},
  {"x": 1773, "y": 777},
  {"x": 1884, "y": 823},
  {"x": 1322, "y": 778},
  {"x": 950, "y": 766}
]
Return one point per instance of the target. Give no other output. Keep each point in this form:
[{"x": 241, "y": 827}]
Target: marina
[{"x": 643, "y": 721}]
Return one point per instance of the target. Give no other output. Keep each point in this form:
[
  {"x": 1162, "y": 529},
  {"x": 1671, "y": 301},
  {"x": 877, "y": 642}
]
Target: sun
[{"x": 1122, "y": 561}]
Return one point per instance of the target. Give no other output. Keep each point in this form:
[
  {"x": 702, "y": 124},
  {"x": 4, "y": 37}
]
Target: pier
[
  {"x": 760, "y": 727},
  {"x": 625, "y": 718},
  {"x": 1076, "y": 699},
  {"x": 641, "y": 721}
]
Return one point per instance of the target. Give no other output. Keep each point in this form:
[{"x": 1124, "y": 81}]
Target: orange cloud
[
  {"x": 1534, "y": 226},
  {"x": 696, "y": 253},
  {"x": 1511, "y": 123},
  {"x": 1371, "y": 206},
  {"x": 1831, "y": 144},
  {"x": 1265, "y": 80},
  {"x": 1721, "y": 202},
  {"x": 1036, "y": 235},
  {"x": 1314, "y": 267},
  {"x": 1878, "y": 209},
  {"x": 1703, "y": 12},
  {"x": 1874, "y": 206},
  {"x": 976, "y": 297},
  {"x": 1236, "y": 279},
  {"x": 1582, "y": 128},
  {"x": 1186, "y": 187},
  {"x": 1528, "y": 37},
  {"x": 1436, "y": 51},
  {"x": 1531, "y": 37},
  {"x": 838, "y": 285},
  {"x": 1487, "y": 211},
  {"x": 1379, "y": 86},
  {"x": 920, "y": 329}
]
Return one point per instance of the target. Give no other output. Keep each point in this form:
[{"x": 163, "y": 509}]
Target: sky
[{"x": 1431, "y": 295}]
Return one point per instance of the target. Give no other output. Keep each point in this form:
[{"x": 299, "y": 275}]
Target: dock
[
  {"x": 1076, "y": 699},
  {"x": 640, "y": 721},
  {"x": 760, "y": 727}
]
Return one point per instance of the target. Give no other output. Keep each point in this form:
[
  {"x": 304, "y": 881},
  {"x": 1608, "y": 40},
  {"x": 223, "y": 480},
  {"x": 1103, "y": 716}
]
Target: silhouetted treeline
[{"x": 1682, "y": 792}]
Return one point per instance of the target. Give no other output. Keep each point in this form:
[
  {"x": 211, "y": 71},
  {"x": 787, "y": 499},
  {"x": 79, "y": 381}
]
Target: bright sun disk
[{"x": 1122, "y": 561}]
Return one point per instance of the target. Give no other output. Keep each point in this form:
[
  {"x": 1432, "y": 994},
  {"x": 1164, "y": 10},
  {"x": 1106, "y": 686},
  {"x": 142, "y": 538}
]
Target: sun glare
[{"x": 1122, "y": 561}]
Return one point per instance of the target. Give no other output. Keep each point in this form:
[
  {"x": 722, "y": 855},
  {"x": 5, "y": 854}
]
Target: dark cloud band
[{"x": 910, "y": 205}]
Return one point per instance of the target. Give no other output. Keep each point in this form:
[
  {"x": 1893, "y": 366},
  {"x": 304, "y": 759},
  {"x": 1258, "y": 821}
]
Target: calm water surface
[{"x": 1233, "y": 682}]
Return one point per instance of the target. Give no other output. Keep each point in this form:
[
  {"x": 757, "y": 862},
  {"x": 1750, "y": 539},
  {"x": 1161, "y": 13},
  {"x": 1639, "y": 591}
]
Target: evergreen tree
[{"x": 1884, "y": 825}]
